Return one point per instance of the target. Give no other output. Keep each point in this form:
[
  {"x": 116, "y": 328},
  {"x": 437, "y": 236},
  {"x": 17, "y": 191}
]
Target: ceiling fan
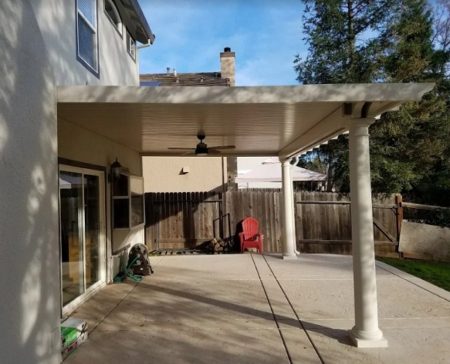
[{"x": 202, "y": 148}]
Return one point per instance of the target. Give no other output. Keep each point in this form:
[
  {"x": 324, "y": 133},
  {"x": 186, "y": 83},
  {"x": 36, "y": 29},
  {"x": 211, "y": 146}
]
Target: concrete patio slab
[{"x": 260, "y": 309}]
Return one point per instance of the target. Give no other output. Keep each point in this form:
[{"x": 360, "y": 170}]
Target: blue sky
[{"x": 190, "y": 34}]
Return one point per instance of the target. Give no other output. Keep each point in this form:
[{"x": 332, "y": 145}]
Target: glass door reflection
[
  {"x": 72, "y": 226},
  {"x": 92, "y": 228},
  {"x": 81, "y": 236}
]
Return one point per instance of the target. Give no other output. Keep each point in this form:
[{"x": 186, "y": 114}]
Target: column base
[
  {"x": 377, "y": 342},
  {"x": 289, "y": 257}
]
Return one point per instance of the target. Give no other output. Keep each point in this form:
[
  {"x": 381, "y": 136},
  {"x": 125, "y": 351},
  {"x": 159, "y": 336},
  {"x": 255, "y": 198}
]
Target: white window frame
[
  {"x": 135, "y": 188},
  {"x": 131, "y": 46},
  {"x": 94, "y": 28},
  {"x": 117, "y": 27}
]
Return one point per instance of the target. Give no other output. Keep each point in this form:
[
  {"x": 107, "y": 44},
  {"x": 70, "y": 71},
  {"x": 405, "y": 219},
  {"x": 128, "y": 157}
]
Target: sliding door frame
[{"x": 103, "y": 247}]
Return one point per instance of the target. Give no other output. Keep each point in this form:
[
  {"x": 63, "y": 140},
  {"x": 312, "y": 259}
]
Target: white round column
[
  {"x": 287, "y": 216},
  {"x": 366, "y": 332}
]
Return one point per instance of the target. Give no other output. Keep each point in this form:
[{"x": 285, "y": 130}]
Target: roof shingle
[{"x": 184, "y": 79}]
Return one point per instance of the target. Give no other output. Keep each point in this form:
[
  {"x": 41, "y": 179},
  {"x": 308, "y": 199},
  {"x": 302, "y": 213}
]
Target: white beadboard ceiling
[{"x": 279, "y": 120}]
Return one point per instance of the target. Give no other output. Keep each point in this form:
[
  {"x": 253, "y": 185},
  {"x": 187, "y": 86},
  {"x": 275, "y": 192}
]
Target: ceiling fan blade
[
  {"x": 216, "y": 151},
  {"x": 190, "y": 152},
  {"x": 223, "y": 147},
  {"x": 176, "y": 148}
]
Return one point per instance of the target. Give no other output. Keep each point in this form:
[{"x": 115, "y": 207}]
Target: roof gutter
[{"x": 146, "y": 45}]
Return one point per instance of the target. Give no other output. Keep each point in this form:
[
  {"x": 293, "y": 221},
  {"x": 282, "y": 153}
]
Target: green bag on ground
[
  {"x": 69, "y": 335},
  {"x": 73, "y": 334}
]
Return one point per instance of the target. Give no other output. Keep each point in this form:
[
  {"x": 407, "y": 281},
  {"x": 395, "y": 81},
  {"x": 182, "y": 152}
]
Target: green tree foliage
[
  {"x": 338, "y": 34},
  {"x": 341, "y": 50},
  {"x": 388, "y": 41},
  {"x": 332, "y": 160},
  {"x": 410, "y": 147}
]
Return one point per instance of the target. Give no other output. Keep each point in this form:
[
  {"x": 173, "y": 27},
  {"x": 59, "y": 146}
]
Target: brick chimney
[{"x": 227, "y": 60}]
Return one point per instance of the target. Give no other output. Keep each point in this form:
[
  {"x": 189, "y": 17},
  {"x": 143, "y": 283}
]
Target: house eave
[{"x": 135, "y": 21}]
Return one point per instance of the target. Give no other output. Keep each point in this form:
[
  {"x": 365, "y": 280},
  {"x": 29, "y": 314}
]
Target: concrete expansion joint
[{"x": 287, "y": 302}]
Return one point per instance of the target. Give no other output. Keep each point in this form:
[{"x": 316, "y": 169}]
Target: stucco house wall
[
  {"x": 116, "y": 67},
  {"x": 81, "y": 145},
  {"x": 165, "y": 174},
  {"x": 29, "y": 253},
  {"x": 38, "y": 54},
  {"x": 57, "y": 22}
]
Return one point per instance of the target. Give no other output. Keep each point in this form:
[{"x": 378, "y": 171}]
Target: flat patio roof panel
[{"x": 279, "y": 120}]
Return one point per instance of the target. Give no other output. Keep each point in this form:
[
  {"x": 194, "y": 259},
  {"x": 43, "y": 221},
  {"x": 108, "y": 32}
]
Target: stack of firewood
[{"x": 215, "y": 246}]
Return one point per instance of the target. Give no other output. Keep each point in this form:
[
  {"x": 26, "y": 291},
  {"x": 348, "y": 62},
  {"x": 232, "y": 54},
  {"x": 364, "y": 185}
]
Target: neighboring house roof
[
  {"x": 135, "y": 21},
  {"x": 184, "y": 79},
  {"x": 270, "y": 171}
]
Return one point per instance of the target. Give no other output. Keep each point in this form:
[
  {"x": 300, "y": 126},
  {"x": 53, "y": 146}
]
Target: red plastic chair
[{"x": 250, "y": 236}]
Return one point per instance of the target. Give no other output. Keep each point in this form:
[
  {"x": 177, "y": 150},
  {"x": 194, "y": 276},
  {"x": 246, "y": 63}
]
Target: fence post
[{"x": 398, "y": 214}]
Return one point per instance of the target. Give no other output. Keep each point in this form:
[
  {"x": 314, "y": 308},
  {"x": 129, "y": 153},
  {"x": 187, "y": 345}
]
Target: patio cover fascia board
[{"x": 287, "y": 119}]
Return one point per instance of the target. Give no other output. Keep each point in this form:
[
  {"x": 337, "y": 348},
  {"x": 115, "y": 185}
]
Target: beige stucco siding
[
  {"x": 164, "y": 174},
  {"x": 29, "y": 245},
  {"x": 81, "y": 145},
  {"x": 57, "y": 21}
]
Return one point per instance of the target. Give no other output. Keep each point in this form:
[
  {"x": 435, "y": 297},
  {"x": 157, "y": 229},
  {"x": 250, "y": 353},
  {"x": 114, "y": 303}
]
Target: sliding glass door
[{"x": 82, "y": 227}]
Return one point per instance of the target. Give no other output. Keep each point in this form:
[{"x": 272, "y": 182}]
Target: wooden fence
[
  {"x": 185, "y": 219},
  {"x": 175, "y": 220}
]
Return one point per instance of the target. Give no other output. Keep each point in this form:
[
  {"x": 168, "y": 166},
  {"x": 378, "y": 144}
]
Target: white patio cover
[{"x": 259, "y": 121}]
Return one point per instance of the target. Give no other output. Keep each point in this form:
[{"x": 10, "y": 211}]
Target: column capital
[
  {"x": 284, "y": 161},
  {"x": 360, "y": 122}
]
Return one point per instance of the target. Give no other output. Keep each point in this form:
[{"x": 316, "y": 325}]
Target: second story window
[
  {"x": 113, "y": 15},
  {"x": 87, "y": 35},
  {"x": 131, "y": 46}
]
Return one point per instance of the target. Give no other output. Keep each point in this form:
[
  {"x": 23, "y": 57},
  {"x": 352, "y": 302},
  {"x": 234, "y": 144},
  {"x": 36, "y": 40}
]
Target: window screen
[{"x": 87, "y": 36}]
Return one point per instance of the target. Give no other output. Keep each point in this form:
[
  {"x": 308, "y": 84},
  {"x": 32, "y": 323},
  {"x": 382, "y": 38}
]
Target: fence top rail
[
  {"x": 311, "y": 202},
  {"x": 187, "y": 201},
  {"x": 419, "y": 206}
]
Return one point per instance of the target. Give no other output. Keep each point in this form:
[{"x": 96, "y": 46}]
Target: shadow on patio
[{"x": 213, "y": 309}]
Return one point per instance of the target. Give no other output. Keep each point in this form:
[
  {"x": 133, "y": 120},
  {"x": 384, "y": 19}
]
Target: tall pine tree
[
  {"x": 388, "y": 41},
  {"x": 408, "y": 147},
  {"x": 339, "y": 33},
  {"x": 342, "y": 49}
]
